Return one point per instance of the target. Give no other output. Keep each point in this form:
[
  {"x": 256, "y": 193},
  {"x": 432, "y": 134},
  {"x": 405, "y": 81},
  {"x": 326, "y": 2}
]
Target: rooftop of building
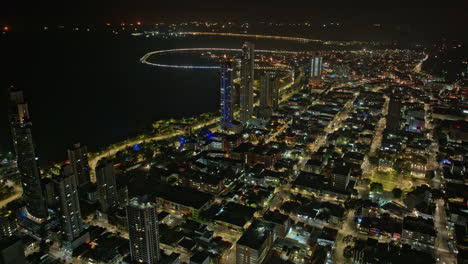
[
  {"x": 185, "y": 196},
  {"x": 169, "y": 259},
  {"x": 333, "y": 209},
  {"x": 420, "y": 225},
  {"x": 244, "y": 147},
  {"x": 202, "y": 177},
  {"x": 181, "y": 195},
  {"x": 328, "y": 234},
  {"x": 388, "y": 225},
  {"x": 354, "y": 155},
  {"x": 275, "y": 217},
  {"x": 187, "y": 243},
  {"x": 341, "y": 170},
  {"x": 199, "y": 257},
  {"x": 375, "y": 252},
  {"x": 142, "y": 202},
  {"x": 420, "y": 190},
  {"x": 314, "y": 162},
  {"x": 256, "y": 234},
  {"x": 310, "y": 180},
  {"x": 6, "y": 242},
  {"x": 235, "y": 214},
  {"x": 458, "y": 208}
]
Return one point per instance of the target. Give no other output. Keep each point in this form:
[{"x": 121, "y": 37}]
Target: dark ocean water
[{"x": 93, "y": 89}]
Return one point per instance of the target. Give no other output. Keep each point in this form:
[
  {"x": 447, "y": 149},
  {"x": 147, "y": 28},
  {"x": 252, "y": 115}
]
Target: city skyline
[{"x": 341, "y": 140}]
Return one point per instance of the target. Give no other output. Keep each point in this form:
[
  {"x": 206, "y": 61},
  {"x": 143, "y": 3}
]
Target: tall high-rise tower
[
  {"x": 18, "y": 112},
  {"x": 21, "y": 126},
  {"x": 143, "y": 230},
  {"x": 265, "y": 90},
  {"x": 316, "y": 68},
  {"x": 226, "y": 90},
  {"x": 275, "y": 85},
  {"x": 269, "y": 90},
  {"x": 107, "y": 186},
  {"x": 77, "y": 155},
  {"x": 69, "y": 206},
  {"x": 269, "y": 93},
  {"x": 246, "y": 82}
]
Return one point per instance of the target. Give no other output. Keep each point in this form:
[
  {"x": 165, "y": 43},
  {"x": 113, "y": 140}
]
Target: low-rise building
[
  {"x": 253, "y": 246},
  {"x": 183, "y": 200},
  {"x": 203, "y": 182},
  {"x": 418, "y": 232},
  {"x": 314, "y": 166},
  {"x": 327, "y": 236},
  {"x": 281, "y": 222},
  {"x": 234, "y": 216},
  {"x": 422, "y": 194}
]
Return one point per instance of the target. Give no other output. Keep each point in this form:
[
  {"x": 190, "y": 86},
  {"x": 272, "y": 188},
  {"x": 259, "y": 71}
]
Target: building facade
[
  {"x": 246, "y": 82},
  {"x": 269, "y": 93},
  {"x": 316, "y": 68},
  {"x": 77, "y": 155},
  {"x": 68, "y": 202},
  {"x": 253, "y": 246},
  {"x": 21, "y": 127},
  {"x": 226, "y": 92},
  {"x": 8, "y": 225},
  {"x": 419, "y": 233},
  {"x": 107, "y": 186},
  {"x": 143, "y": 230},
  {"x": 340, "y": 178},
  {"x": 18, "y": 111}
]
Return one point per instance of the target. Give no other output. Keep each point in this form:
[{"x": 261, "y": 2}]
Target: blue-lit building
[{"x": 226, "y": 89}]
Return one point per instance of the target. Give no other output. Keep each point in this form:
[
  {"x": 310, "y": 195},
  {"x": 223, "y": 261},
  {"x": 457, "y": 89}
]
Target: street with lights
[{"x": 309, "y": 151}]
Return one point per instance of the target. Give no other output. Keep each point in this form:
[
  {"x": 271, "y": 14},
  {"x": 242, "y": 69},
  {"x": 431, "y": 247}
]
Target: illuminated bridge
[
  {"x": 145, "y": 58},
  {"x": 303, "y": 40}
]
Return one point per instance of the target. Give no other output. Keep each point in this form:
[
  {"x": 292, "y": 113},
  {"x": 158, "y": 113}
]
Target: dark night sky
[
  {"x": 85, "y": 11},
  {"x": 428, "y": 23}
]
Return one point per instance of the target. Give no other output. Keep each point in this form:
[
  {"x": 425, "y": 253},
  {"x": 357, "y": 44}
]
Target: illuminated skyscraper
[
  {"x": 18, "y": 111},
  {"x": 246, "y": 82},
  {"x": 21, "y": 125},
  {"x": 269, "y": 94},
  {"x": 269, "y": 90},
  {"x": 226, "y": 90},
  {"x": 77, "y": 155},
  {"x": 69, "y": 206},
  {"x": 33, "y": 194},
  {"x": 316, "y": 68},
  {"x": 143, "y": 230},
  {"x": 107, "y": 186},
  {"x": 265, "y": 90},
  {"x": 274, "y": 86}
]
